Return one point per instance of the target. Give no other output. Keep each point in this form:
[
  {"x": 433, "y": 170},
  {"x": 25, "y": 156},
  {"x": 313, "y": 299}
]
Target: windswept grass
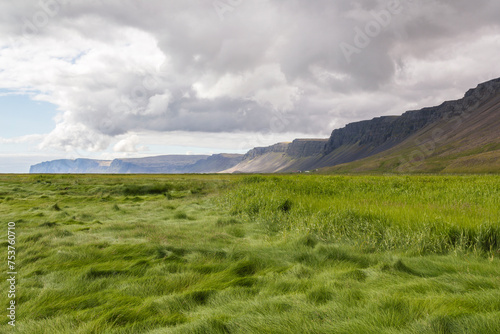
[
  {"x": 254, "y": 254},
  {"x": 425, "y": 214}
]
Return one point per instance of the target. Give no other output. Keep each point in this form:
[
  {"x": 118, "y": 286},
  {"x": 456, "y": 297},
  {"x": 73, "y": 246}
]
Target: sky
[{"x": 108, "y": 79}]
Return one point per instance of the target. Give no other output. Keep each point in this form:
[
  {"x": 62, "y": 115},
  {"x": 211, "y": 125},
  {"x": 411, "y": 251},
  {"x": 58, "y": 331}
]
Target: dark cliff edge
[{"x": 303, "y": 148}]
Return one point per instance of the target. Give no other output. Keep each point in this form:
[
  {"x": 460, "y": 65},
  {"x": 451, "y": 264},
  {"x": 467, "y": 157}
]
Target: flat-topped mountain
[
  {"x": 165, "y": 164},
  {"x": 300, "y": 154},
  {"x": 68, "y": 166}
]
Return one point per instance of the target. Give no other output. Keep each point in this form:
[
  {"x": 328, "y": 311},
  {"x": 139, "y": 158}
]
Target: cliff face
[
  {"x": 374, "y": 132},
  {"x": 300, "y": 154},
  {"x": 363, "y": 139},
  {"x": 300, "y": 148},
  {"x": 258, "y": 151},
  {"x": 463, "y": 138}
]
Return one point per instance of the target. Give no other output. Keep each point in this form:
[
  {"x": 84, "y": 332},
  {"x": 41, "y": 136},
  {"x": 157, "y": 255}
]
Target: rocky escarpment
[
  {"x": 297, "y": 148},
  {"x": 258, "y": 151},
  {"x": 301, "y": 148},
  {"x": 462, "y": 138},
  {"x": 367, "y": 138},
  {"x": 374, "y": 132},
  {"x": 300, "y": 154}
]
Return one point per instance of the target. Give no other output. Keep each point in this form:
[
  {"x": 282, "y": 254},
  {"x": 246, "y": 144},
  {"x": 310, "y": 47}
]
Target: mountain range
[
  {"x": 455, "y": 137},
  {"x": 164, "y": 164}
]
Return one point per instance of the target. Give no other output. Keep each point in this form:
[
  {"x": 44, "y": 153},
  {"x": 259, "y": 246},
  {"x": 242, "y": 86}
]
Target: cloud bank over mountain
[{"x": 123, "y": 70}]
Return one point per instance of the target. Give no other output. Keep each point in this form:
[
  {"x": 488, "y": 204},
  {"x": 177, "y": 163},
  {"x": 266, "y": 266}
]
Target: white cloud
[
  {"x": 70, "y": 136},
  {"x": 158, "y": 104},
  {"x": 129, "y": 145},
  {"x": 266, "y": 85}
]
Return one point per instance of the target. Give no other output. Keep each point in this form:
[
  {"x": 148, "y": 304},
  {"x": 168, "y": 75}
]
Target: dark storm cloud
[{"x": 115, "y": 67}]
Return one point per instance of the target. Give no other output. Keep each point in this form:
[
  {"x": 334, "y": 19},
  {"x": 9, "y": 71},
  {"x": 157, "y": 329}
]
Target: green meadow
[{"x": 252, "y": 253}]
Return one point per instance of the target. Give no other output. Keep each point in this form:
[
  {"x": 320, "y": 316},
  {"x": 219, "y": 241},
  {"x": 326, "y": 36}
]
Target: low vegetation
[{"x": 254, "y": 254}]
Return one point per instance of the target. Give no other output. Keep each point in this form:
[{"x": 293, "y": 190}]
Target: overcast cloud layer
[{"x": 123, "y": 70}]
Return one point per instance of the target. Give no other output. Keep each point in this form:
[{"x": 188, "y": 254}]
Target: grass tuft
[
  {"x": 320, "y": 295},
  {"x": 245, "y": 268}
]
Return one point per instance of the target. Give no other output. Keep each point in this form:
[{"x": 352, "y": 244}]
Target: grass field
[{"x": 253, "y": 254}]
